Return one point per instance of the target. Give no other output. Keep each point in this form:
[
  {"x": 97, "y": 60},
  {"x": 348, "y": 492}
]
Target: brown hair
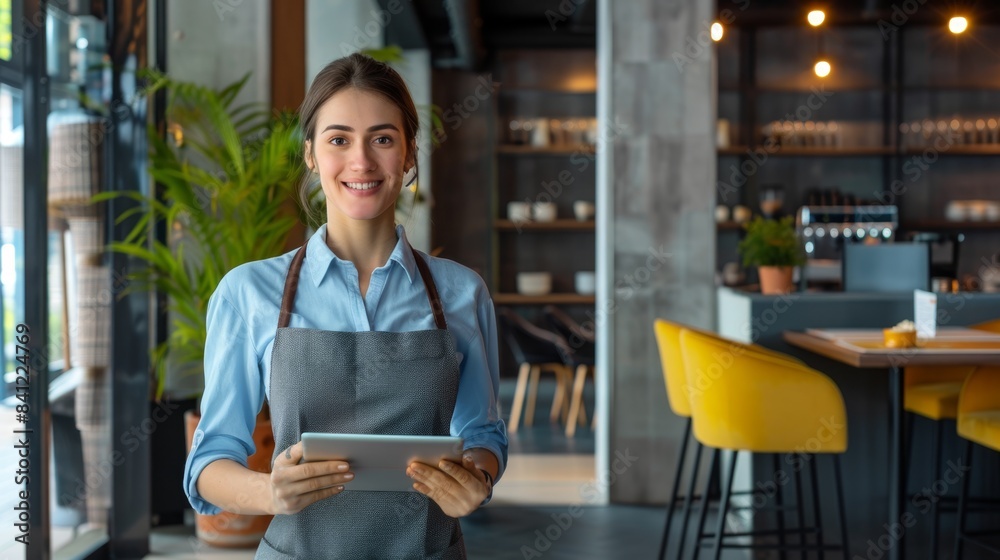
[{"x": 362, "y": 72}]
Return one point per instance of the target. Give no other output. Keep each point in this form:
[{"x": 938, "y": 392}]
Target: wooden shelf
[
  {"x": 735, "y": 226},
  {"x": 959, "y": 150},
  {"x": 945, "y": 225},
  {"x": 541, "y": 91},
  {"x": 515, "y": 149},
  {"x": 556, "y": 225},
  {"x": 548, "y": 299},
  {"x": 796, "y": 151}
]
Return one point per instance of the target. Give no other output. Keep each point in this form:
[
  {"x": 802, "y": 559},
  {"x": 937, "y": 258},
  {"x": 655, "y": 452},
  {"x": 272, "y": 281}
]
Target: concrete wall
[
  {"x": 216, "y": 43},
  {"x": 656, "y": 239}
]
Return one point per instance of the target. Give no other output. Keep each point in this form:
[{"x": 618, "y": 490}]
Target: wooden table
[{"x": 864, "y": 349}]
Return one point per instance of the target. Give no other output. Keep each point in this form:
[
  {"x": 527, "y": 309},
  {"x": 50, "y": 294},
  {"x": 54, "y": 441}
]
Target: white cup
[
  {"x": 544, "y": 211},
  {"x": 585, "y": 282},
  {"x": 583, "y": 210},
  {"x": 518, "y": 211},
  {"x": 534, "y": 283}
]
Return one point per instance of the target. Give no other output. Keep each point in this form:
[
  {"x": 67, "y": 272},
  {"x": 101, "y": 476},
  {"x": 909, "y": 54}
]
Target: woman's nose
[{"x": 361, "y": 158}]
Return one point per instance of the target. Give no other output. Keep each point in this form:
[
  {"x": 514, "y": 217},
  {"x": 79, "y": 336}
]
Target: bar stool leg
[
  {"x": 676, "y": 487},
  {"x": 557, "y": 411},
  {"x": 576, "y": 401},
  {"x": 712, "y": 464},
  {"x": 689, "y": 499},
  {"x": 727, "y": 490},
  {"x": 935, "y": 512},
  {"x": 962, "y": 497},
  {"x": 529, "y": 416},
  {"x": 911, "y": 420},
  {"x": 800, "y": 511},
  {"x": 839, "y": 481},
  {"x": 779, "y": 500},
  {"x": 522, "y": 386},
  {"x": 817, "y": 516}
]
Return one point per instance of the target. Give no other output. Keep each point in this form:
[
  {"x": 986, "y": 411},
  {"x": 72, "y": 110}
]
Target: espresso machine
[{"x": 825, "y": 230}]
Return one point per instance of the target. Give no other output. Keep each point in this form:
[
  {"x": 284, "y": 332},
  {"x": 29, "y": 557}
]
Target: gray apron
[{"x": 368, "y": 383}]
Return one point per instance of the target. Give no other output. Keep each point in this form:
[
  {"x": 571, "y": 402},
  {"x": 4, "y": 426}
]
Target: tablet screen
[{"x": 379, "y": 461}]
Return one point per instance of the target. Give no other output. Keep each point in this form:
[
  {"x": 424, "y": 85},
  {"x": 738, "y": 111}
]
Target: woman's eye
[
  {"x": 338, "y": 140},
  {"x": 383, "y": 140}
]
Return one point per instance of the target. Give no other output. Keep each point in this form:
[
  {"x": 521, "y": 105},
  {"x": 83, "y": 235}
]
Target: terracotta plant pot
[
  {"x": 775, "y": 279},
  {"x": 233, "y": 530}
]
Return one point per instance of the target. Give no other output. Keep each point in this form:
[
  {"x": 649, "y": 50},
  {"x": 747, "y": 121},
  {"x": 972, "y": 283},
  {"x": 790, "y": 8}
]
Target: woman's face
[{"x": 360, "y": 153}]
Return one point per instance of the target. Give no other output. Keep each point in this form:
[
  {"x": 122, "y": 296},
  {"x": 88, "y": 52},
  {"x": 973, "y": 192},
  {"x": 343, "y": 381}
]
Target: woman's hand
[
  {"x": 295, "y": 486},
  {"x": 457, "y": 489}
]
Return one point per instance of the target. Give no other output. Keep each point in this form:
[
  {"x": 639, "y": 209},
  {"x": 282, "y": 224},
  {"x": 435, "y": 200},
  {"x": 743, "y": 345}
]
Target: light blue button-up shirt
[{"x": 243, "y": 318}]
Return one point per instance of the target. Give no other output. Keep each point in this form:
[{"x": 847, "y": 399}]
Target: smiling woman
[{"x": 367, "y": 298}]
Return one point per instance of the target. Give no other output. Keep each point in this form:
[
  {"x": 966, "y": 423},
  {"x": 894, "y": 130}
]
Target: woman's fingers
[
  {"x": 455, "y": 488},
  {"x": 290, "y": 456},
  {"x": 295, "y": 486}
]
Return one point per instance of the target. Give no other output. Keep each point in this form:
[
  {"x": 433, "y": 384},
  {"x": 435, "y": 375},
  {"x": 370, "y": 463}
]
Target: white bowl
[
  {"x": 544, "y": 211},
  {"x": 534, "y": 283},
  {"x": 518, "y": 211}
]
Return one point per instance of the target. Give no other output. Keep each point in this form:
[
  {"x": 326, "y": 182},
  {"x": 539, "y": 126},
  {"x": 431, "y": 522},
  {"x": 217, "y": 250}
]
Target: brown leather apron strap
[
  {"x": 432, "y": 293},
  {"x": 291, "y": 284}
]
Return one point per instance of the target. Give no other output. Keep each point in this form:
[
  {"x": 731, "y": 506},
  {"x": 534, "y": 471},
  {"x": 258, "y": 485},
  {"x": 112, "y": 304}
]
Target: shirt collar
[{"x": 319, "y": 257}]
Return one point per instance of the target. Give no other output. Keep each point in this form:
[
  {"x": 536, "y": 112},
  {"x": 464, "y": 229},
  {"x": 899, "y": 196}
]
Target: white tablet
[{"x": 379, "y": 462}]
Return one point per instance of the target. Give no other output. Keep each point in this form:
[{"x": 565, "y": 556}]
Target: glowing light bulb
[
  {"x": 958, "y": 24},
  {"x": 822, "y": 68},
  {"x": 716, "y": 31},
  {"x": 816, "y": 18}
]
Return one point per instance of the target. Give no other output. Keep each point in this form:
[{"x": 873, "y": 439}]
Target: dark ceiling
[{"x": 467, "y": 33}]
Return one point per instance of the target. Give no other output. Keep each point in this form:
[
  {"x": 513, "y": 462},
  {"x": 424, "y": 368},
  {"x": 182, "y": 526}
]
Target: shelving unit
[
  {"x": 922, "y": 72},
  {"x": 556, "y": 225},
  {"x": 548, "y": 299},
  {"x": 543, "y": 85},
  {"x": 516, "y": 149}
]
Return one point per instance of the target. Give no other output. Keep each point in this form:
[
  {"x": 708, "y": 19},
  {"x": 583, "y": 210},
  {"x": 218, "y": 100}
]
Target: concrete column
[{"x": 656, "y": 239}]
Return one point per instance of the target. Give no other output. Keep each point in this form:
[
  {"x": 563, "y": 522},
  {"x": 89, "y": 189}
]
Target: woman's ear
[{"x": 309, "y": 156}]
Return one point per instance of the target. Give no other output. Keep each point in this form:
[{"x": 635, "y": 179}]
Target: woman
[{"x": 355, "y": 332}]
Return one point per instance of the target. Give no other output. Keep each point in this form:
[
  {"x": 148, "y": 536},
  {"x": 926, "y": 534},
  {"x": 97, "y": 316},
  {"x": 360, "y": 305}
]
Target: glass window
[
  {"x": 6, "y": 29},
  {"x": 11, "y": 226}
]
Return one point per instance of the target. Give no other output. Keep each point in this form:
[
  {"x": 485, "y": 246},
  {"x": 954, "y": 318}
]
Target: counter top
[{"x": 854, "y": 296}]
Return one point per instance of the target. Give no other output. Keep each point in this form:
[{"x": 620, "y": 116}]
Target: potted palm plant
[
  {"x": 226, "y": 172},
  {"x": 775, "y": 249}
]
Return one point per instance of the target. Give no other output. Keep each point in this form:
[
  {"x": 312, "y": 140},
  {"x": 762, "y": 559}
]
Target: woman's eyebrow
[{"x": 346, "y": 128}]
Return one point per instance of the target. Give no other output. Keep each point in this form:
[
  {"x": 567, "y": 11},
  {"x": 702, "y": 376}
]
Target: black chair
[
  {"x": 582, "y": 360},
  {"x": 535, "y": 350}
]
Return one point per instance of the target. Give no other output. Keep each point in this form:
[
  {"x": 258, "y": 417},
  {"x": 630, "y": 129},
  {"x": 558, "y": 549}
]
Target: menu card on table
[{"x": 925, "y": 313}]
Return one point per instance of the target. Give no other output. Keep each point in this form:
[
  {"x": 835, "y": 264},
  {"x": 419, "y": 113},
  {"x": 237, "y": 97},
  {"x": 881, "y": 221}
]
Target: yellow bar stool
[
  {"x": 978, "y": 423},
  {"x": 931, "y": 393},
  {"x": 668, "y": 340},
  {"x": 750, "y": 401}
]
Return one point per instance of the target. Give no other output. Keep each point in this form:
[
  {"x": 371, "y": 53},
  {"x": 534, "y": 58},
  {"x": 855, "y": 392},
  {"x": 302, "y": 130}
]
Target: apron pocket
[
  {"x": 267, "y": 552},
  {"x": 454, "y": 552}
]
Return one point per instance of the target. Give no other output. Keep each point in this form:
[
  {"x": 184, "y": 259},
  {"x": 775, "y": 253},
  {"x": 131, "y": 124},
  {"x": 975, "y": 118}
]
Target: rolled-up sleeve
[
  {"x": 234, "y": 393},
  {"x": 477, "y": 416}
]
